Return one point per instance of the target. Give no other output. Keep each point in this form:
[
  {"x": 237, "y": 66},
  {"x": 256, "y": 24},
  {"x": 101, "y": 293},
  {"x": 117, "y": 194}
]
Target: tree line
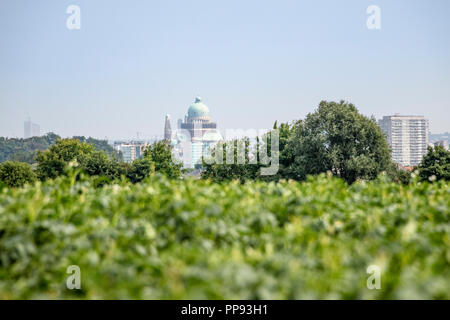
[
  {"x": 334, "y": 139},
  {"x": 68, "y": 155},
  {"x": 25, "y": 150}
]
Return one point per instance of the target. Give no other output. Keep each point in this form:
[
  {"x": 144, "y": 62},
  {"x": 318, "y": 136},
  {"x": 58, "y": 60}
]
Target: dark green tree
[
  {"x": 16, "y": 174},
  {"x": 435, "y": 165},
  {"x": 140, "y": 169},
  {"x": 286, "y": 156},
  {"x": 337, "y": 138},
  {"x": 249, "y": 170},
  {"x": 99, "y": 164},
  {"x": 236, "y": 166}
]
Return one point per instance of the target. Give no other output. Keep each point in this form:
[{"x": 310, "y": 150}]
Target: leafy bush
[
  {"x": 193, "y": 239},
  {"x": 16, "y": 174}
]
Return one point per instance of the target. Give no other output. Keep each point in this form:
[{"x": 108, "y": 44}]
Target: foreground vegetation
[{"x": 196, "y": 239}]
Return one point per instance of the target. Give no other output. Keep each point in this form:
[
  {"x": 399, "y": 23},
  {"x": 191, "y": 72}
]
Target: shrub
[{"x": 16, "y": 174}]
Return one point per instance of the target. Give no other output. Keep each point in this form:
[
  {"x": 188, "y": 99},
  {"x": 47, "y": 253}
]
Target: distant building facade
[
  {"x": 130, "y": 151},
  {"x": 31, "y": 129},
  {"x": 167, "y": 128},
  {"x": 196, "y": 134},
  {"x": 407, "y": 136}
]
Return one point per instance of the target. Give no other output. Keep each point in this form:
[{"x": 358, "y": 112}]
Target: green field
[{"x": 192, "y": 239}]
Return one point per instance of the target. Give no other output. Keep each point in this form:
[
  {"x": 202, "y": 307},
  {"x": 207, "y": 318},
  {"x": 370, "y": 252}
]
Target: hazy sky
[{"x": 253, "y": 62}]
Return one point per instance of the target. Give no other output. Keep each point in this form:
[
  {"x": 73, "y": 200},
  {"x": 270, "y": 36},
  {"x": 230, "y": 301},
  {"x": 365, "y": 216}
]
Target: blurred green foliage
[{"x": 195, "y": 239}]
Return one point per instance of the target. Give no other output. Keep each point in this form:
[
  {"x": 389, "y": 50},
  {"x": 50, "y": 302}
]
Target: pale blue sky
[{"x": 253, "y": 62}]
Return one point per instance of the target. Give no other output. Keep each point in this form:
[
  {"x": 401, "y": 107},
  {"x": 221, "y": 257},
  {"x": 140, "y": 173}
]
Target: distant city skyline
[
  {"x": 253, "y": 62},
  {"x": 32, "y": 129}
]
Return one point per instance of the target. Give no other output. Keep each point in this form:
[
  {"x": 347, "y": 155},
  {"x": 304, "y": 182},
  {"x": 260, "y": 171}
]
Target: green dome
[{"x": 198, "y": 109}]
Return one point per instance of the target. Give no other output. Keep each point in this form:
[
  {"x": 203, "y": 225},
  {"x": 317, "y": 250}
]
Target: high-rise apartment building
[
  {"x": 130, "y": 151},
  {"x": 167, "y": 129},
  {"x": 407, "y": 136},
  {"x": 31, "y": 129}
]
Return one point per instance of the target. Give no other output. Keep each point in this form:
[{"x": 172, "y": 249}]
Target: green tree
[
  {"x": 160, "y": 154},
  {"x": 286, "y": 155},
  {"x": 23, "y": 156},
  {"x": 399, "y": 175},
  {"x": 16, "y": 174},
  {"x": 53, "y": 162},
  {"x": 100, "y": 145},
  {"x": 435, "y": 165},
  {"x": 337, "y": 138},
  {"x": 140, "y": 169},
  {"x": 241, "y": 168},
  {"x": 249, "y": 170},
  {"x": 99, "y": 164}
]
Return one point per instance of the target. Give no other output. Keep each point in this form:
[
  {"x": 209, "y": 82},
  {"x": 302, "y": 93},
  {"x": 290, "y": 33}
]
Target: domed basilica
[{"x": 195, "y": 135}]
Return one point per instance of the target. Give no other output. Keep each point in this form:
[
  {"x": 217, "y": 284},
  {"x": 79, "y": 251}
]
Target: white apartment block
[
  {"x": 407, "y": 136},
  {"x": 130, "y": 151}
]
